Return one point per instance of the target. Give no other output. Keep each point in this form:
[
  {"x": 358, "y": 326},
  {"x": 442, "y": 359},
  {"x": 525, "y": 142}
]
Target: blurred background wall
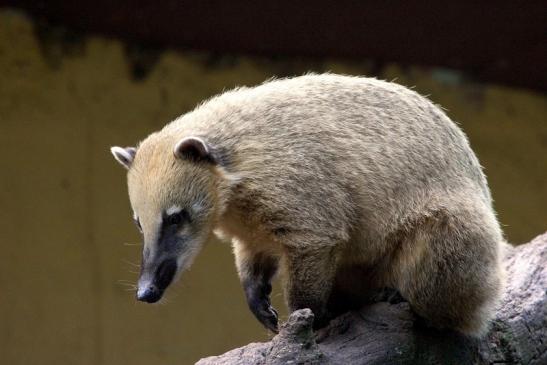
[{"x": 68, "y": 245}]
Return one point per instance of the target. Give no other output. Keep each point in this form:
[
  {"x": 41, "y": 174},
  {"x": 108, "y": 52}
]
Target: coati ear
[
  {"x": 193, "y": 148},
  {"x": 124, "y": 156}
]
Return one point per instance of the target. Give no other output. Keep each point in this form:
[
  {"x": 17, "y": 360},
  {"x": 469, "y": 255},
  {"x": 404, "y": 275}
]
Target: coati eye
[
  {"x": 138, "y": 224},
  {"x": 176, "y": 218}
]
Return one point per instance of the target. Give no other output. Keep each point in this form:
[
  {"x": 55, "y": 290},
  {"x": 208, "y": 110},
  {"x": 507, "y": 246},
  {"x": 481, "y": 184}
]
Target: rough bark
[{"x": 389, "y": 333}]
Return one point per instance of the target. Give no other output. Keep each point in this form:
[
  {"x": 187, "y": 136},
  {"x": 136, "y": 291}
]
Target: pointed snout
[
  {"x": 149, "y": 294},
  {"x": 154, "y": 281}
]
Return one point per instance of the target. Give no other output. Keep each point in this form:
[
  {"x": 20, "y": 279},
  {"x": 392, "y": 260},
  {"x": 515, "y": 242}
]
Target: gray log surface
[{"x": 389, "y": 333}]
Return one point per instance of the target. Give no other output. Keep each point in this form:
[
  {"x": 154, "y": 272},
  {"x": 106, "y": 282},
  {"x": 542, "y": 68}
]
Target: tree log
[{"x": 390, "y": 333}]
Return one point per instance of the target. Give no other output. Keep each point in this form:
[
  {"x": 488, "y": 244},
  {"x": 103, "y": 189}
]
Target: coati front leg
[
  {"x": 256, "y": 270},
  {"x": 310, "y": 274}
]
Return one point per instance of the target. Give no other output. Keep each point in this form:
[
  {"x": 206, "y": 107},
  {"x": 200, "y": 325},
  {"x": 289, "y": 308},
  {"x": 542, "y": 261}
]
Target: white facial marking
[{"x": 173, "y": 210}]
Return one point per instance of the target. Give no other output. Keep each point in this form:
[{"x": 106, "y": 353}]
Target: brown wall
[{"x": 65, "y": 217}]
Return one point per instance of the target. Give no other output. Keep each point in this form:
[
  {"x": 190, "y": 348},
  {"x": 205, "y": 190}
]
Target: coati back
[{"x": 344, "y": 184}]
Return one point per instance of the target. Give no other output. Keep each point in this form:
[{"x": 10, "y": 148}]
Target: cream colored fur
[{"x": 325, "y": 176}]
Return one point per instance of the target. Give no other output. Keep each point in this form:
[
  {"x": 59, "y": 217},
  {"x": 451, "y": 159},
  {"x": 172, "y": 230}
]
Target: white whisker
[
  {"x": 130, "y": 263},
  {"x": 127, "y": 283},
  {"x": 132, "y": 244}
]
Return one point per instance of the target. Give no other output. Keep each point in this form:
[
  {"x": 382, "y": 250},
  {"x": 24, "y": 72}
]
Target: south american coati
[{"x": 342, "y": 184}]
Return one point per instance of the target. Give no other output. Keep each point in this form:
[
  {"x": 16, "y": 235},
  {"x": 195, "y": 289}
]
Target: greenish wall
[{"x": 66, "y": 236}]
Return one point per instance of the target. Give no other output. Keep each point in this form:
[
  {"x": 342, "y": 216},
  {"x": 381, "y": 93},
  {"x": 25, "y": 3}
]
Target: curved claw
[
  {"x": 265, "y": 313},
  {"x": 269, "y": 318}
]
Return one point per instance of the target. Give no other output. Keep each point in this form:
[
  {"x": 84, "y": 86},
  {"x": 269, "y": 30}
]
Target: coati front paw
[
  {"x": 259, "y": 303},
  {"x": 266, "y": 314}
]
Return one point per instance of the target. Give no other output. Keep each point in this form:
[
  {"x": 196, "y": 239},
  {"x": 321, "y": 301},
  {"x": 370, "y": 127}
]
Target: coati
[{"x": 343, "y": 184}]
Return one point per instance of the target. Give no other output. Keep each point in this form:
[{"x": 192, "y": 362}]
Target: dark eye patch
[
  {"x": 169, "y": 238},
  {"x": 176, "y": 219}
]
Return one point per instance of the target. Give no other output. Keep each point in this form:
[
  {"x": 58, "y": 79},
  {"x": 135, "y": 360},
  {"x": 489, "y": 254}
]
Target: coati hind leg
[
  {"x": 256, "y": 270},
  {"x": 448, "y": 269},
  {"x": 355, "y": 286}
]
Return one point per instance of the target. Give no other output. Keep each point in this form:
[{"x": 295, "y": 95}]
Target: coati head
[{"x": 174, "y": 189}]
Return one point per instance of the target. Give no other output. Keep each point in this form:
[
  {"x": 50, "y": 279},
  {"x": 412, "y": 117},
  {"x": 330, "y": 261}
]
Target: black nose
[{"x": 150, "y": 294}]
